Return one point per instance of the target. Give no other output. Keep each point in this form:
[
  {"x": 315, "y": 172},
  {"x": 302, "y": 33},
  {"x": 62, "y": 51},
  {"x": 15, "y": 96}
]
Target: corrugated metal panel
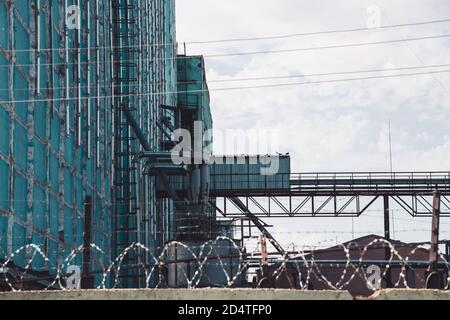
[
  {"x": 240, "y": 173},
  {"x": 246, "y": 173},
  {"x": 193, "y": 89}
]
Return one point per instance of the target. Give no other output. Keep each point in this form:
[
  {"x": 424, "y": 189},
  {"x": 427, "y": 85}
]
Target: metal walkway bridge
[
  {"x": 333, "y": 194},
  {"x": 326, "y": 195},
  {"x": 248, "y": 198}
]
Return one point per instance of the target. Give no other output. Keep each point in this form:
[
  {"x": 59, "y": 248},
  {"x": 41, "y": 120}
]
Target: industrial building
[
  {"x": 92, "y": 95},
  {"x": 71, "y": 72},
  {"x": 340, "y": 267}
]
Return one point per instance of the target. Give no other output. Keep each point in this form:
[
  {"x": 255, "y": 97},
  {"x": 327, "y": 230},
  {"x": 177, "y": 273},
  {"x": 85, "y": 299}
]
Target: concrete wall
[
  {"x": 411, "y": 294},
  {"x": 221, "y": 294},
  {"x": 161, "y": 294}
]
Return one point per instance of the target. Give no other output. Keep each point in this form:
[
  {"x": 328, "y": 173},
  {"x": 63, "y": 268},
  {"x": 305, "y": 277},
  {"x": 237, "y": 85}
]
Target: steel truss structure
[{"x": 341, "y": 195}]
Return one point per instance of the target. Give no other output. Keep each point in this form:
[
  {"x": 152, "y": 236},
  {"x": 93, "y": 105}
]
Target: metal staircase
[{"x": 126, "y": 145}]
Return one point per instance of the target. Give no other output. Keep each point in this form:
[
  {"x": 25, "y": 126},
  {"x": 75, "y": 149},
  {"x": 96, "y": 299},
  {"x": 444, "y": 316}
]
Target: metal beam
[
  {"x": 136, "y": 129},
  {"x": 387, "y": 236},
  {"x": 257, "y": 222}
]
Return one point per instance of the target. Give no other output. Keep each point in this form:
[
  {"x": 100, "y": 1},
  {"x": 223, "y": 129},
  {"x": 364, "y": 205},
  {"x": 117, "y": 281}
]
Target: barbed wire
[
  {"x": 301, "y": 268},
  {"x": 297, "y": 232}
]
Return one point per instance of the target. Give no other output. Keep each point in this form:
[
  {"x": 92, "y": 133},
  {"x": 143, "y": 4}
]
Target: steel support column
[{"x": 387, "y": 236}]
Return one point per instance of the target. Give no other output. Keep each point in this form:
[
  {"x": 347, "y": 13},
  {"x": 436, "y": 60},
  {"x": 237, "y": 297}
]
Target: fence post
[
  {"x": 387, "y": 237},
  {"x": 265, "y": 281},
  {"x": 435, "y": 278},
  {"x": 86, "y": 279}
]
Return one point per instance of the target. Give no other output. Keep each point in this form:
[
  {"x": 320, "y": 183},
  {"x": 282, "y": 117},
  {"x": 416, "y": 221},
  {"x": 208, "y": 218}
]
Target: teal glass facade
[{"x": 63, "y": 135}]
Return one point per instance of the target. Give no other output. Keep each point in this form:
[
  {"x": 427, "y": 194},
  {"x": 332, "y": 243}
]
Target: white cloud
[{"x": 339, "y": 126}]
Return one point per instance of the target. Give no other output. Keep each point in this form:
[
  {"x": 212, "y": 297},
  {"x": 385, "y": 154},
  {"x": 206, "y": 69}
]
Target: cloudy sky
[{"x": 337, "y": 126}]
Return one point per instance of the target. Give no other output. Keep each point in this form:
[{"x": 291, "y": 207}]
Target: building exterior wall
[
  {"x": 193, "y": 90},
  {"x": 62, "y": 130},
  {"x": 144, "y": 87},
  {"x": 56, "y": 132},
  {"x": 358, "y": 282}
]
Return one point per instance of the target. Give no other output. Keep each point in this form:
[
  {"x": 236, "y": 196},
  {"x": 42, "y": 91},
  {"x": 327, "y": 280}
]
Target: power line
[
  {"x": 412, "y": 220},
  {"x": 326, "y": 47},
  {"x": 293, "y": 35},
  {"x": 297, "y": 232},
  {"x": 437, "y": 80},
  {"x": 349, "y": 45},
  {"x": 331, "y": 81},
  {"x": 285, "y": 36},
  {"x": 350, "y": 231},
  {"x": 328, "y": 73},
  {"x": 252, "y": 78},
  {"x": 230, "y": 88}
]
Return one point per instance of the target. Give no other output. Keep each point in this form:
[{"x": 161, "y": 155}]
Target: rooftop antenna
[
  {"x": 390, "y": 149},
  {"x": 391, "y": 167}
]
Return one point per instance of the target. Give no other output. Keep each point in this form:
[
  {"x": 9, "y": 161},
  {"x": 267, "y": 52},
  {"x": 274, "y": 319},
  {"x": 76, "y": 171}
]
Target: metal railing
[
  {"x": 374, "y": 177},
  {"x": 371, "y": 183},
  {"x": 377, "y": 183}
]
